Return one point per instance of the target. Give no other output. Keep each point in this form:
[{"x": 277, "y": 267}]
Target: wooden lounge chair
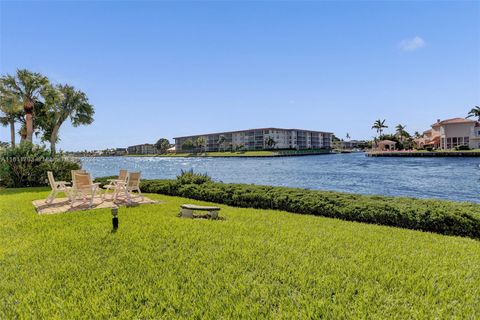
[
  {"x": 84, "y": 187},
  {"x": 132, "y": 184},
  {"x": 112, "y": 183},
  {"x": 57, "y": 187}
]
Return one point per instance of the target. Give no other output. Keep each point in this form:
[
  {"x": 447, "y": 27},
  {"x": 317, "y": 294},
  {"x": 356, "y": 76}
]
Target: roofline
[
  {"x": 444, "y": 122},
  {"x": 237, "y": 131}
]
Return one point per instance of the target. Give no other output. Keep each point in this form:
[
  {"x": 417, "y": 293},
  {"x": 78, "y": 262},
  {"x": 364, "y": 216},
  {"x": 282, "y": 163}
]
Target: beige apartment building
[
  {"x": 450, "y": 133},
  {"x": 258, "y": 139},
  {"x": 146, "y": 148}
]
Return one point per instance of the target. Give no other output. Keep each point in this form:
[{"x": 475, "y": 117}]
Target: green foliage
[
  {"x": 462, "y": 147},
  {"x": 162, "y": 145},
  {"x": 27, "y": 166},
  {"x": 191, "y": 177},
  {"x": 188, "y": 145},
  {"x": 257, "y": 264},
  {"x": 45, "y": 106},
  {"x": 31, "y": 88},
  {"x": 270, "y": 142},
  {"x": 445, "y": 217},
  {"x": 474, "y": 112},
  {"x": 379, "y": 125}
]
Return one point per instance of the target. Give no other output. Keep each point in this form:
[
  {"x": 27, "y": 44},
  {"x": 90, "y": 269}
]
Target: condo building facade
[
  {"x": 451, "y": 133},
  {"x": 255, "y": 139},
  {"x": 146, "y": 148}
]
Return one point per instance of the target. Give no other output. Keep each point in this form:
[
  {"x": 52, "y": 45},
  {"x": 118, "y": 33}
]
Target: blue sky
[{"x": 164, "y": 69}]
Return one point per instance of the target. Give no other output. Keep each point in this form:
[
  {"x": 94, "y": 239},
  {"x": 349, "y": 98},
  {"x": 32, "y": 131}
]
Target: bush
[
  {"x": 462, "y": 147},
  {"x": 26, "y": 166},
  {"x": 440, "y": 216},
  {"x": 191, "y": 177}
]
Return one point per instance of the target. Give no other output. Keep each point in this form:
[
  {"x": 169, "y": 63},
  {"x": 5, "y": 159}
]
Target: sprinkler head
[{"x": 115, "y": 218}]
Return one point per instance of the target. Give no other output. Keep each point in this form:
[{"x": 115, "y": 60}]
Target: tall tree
[
  {"x": 162, "y": 145},
  {"x": 221, "y": 142},
  {"x": 29, "y": 87},
  {"x": 474, "y": 112},
  {"x": 379, "y": 125},
  {"x": 270, "y": 142},
  {"x": 65, "y": 102},
  {"x": 401, "y": 132},
  {"x": 10, "y": 110},
  {"x": 199, "y": 143},
  {"x": 188, "y": 145}
]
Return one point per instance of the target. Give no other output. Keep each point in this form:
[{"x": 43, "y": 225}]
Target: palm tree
[
  {"x": 401, "y": 132},
  {"x": 221, "y": 141},
  {"x": 11, "y": 108},
  {"x": 474, "y": 112},
  {"x": 270, "y": 142},
  {"x": 200, "y": 142},
  {"x": 379, "y": 125},
  {"x": 29, "y": 87},
  {"x": 347, "y": 136},
  {"x": 66, "y": 103}
]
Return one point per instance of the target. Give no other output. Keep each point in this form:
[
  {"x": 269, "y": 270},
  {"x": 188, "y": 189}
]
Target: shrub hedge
[
  {"x": 27, "y": 164},
  {"x": 440, "y": 216}
]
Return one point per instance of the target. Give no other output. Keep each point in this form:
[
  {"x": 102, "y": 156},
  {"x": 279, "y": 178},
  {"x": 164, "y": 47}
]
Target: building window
[{"x": 466, "y": 140}]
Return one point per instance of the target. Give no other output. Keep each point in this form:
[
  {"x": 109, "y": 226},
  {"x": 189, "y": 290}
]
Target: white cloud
[{"x": 412, "y": 44}]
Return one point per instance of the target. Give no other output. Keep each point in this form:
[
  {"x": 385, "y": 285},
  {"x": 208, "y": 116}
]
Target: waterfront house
[
  {"x": 145, "y": 148},
  {"x": 257, "y": 139},
  {"x": 450, "y": 133},
  {"x": 385, "y": 145}
]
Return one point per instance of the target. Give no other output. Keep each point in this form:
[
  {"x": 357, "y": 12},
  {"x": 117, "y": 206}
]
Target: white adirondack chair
[
  {"x": 112, "y": 183},
  {"x": 57, "y": 187},
  {"x": 83, "y": 188},
  {"x": 132, "y": 184}
]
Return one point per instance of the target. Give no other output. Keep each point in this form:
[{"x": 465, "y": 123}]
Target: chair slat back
[
  {"x": 133, "y": 180},
  {"x": 51, "y": 180},
  {"x": 75, "y": 172},
  {"x": 123, "y": 175},
  {"x": 82, "y": 181}
]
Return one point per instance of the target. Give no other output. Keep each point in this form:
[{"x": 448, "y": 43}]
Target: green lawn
[{"x": 254, "y": 264}]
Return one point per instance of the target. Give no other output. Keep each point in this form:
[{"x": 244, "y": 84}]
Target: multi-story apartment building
[
  {"x": 256, "y": 139},
  {"x": 145, "y": 148},
  {"x": 450, "y": 133}
]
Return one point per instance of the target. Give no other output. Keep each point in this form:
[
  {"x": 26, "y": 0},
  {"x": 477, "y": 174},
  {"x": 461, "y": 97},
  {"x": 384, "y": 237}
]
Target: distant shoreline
[
  {"x": 466, "y": 153},
  {"x": 245, "y": 154}
]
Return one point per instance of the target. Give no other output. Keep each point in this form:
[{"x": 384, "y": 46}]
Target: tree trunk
[
  {"x": 12, "y": 132},
  {"x": 29, "y": 124},
  {"x": 28, "y": 108},
  {"x": 53, "y": 140}
]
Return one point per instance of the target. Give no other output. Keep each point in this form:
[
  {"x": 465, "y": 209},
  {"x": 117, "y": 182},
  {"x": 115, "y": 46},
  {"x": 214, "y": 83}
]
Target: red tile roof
[
  {"x": 433, "y": 141},
  {"x": 453, "y": 121}
]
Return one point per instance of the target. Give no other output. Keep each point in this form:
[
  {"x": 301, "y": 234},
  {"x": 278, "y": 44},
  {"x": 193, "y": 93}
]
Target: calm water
[{"x": 447, "y": 178}]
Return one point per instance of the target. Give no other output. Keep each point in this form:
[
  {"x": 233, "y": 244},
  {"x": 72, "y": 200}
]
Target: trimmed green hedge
[{"x": 440, "y": 216}]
